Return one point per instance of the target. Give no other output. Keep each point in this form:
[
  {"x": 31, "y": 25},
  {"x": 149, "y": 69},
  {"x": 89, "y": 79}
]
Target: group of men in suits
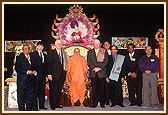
[
  {"x": 31, "y": 78},
  {"x": 139, "y": 72},
  {"x": 107, "y": 71},
  {"x": 129, "y": 71}
]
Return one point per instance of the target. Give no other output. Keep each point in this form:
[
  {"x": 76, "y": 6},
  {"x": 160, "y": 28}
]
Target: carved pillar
[
  {"x": 160, "y": 53},
  {"x": 160, "y": 38}
]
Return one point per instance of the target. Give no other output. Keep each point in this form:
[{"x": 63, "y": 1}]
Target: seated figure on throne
[{"x": 77, "y": 36}]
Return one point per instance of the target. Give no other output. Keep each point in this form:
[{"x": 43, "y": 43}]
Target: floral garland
[{"x": 67, "y": 20}]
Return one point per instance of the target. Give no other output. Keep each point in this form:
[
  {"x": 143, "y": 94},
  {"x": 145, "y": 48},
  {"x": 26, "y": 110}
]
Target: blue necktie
[{"x": 113, "y": 56}]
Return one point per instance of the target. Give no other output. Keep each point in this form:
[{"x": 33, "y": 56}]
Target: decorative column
[
  {"x": 160, "y": 38},
  {"x": 160, "y": 53}
]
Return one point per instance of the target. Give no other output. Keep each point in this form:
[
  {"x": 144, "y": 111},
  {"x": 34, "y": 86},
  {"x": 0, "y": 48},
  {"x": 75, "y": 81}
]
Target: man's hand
[
  {"x": 96, "y": 69},
  {"x": 5, "y": 69},
  {"x": 34, "y": 72},
  {"x": 50, "y": 77},
  {"x": 122, "y": 80},
  {"x": 107, "y": 80},
  {"x": 148, "y": 72},
  {"x": 133, "y": 75},
  {"x": 46, "y": 79},
  {"x": 29, "y": 72}
]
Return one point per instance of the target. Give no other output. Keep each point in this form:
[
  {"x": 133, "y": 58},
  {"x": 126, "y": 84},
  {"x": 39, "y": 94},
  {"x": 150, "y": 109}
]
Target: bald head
[
  {"x": 76, "y": 51},
  {"x": 58, "y": 44},
  {"x": 96, "y": 44}
]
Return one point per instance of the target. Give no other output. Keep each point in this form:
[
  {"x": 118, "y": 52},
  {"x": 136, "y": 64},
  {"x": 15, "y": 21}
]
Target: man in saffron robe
[{"x": 76, "y": 77}]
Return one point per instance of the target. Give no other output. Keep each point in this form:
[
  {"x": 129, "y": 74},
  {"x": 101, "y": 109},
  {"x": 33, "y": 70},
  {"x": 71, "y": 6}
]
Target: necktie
[
  {"x": 113, "y": 56},
  {"x": 60, "y": 56},
  {"x": 28, "y": 58},
  {"x": 41, "y": 58}
]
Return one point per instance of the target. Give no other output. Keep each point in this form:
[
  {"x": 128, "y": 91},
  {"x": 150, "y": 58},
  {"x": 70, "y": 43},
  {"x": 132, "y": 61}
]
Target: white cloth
[
  {"x": 117, "y": 66},
  {"x": 109, "y": 52},
  {"x": 131, "y": 55}
]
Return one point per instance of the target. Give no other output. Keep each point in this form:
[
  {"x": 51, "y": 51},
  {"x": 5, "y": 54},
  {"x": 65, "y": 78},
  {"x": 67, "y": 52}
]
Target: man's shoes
[
  {"x": 107, "y": 103},
  {"x": 112, "y": 105},
  {"x": 132, "y": 104},
  {"x": 121, "y": 105},
  {"x": 103, "y": 106},
  {"x": 59, "y": 106},
  {"x": 35, "y": 109},
  {"x": 139, "y": 105},
  {"x": 52, "y": 108},
  {"x": 43, "y": 108},
  {"x": 93, "y": 106}
]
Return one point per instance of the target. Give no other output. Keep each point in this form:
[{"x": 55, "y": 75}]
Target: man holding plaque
[{"x": 116, "y": 77}]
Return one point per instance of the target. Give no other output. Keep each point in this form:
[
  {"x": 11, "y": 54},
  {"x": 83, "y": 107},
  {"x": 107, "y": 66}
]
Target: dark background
[{"x": 33, "y": 21}]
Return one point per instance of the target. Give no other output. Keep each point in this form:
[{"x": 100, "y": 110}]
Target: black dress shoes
[
  {"x": 112, "y": 105},
  {"x": 139, "y": 105},
  {"x": 35, "y": 109},
  {"x": 102, "y": 106},
  {"x": 107, "y": 103},
  {"x": 52, "y": 108},
  {"x": 132, "y": 104},
  {"x": 59, "y": 106},
  {"x": 93, "y": 106},
  {"x": 43, "y": 108},
  {"x": 121, "y": 105}
]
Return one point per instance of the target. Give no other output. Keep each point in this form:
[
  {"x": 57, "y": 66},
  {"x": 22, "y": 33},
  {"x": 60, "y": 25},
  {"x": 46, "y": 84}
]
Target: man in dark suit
[
  {"x": 97, "y": 59},
  {"x": 25, "y": 80},
  {"x": 115, "y": 77},
  {"x": 56, "y": 74},
  {"x": 40, "y": 64},
  {"x": 106, "y": 45},
  {"x": 134, "y": 79}
]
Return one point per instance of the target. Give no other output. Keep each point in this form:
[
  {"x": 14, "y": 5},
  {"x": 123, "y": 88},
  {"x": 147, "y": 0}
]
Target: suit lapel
[
  {"x": 38, "y": 56},
  {"x": 26, "y": 59},
  {"x": 56, "y": 53},
  {"x": 94, "y": 53}
]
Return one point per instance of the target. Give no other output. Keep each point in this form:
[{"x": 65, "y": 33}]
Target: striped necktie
[{"x": 60, "y": 56}]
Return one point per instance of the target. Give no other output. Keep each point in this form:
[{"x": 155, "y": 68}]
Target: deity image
[{"x": 77, "y": 34}]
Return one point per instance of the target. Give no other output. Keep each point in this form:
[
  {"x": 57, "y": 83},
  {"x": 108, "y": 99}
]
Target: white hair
[
  {"x": 96, "y": 41},
  {"x": 58, "y": 42}
]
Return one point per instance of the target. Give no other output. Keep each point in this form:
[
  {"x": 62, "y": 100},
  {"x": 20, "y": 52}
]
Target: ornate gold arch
[{"x": 75, "y": 10}]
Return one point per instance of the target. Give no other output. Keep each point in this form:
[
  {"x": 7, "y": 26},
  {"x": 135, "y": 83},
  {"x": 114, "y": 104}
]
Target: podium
[{"x": 12, "y": 93}]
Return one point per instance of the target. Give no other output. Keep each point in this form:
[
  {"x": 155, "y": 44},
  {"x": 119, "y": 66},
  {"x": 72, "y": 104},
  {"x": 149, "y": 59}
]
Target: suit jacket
[
  {"x": 38, "y": 65},
  {"x": 55, "y": 68},
  {"x": 131, "y": 66},
  {"x": 92, "y": 63},
  {"x": 22, "y": 66}
]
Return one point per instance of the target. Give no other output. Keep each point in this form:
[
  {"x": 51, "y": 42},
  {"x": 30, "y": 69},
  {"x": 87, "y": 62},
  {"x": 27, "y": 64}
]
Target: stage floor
[{"x": 118, "y": 109}]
